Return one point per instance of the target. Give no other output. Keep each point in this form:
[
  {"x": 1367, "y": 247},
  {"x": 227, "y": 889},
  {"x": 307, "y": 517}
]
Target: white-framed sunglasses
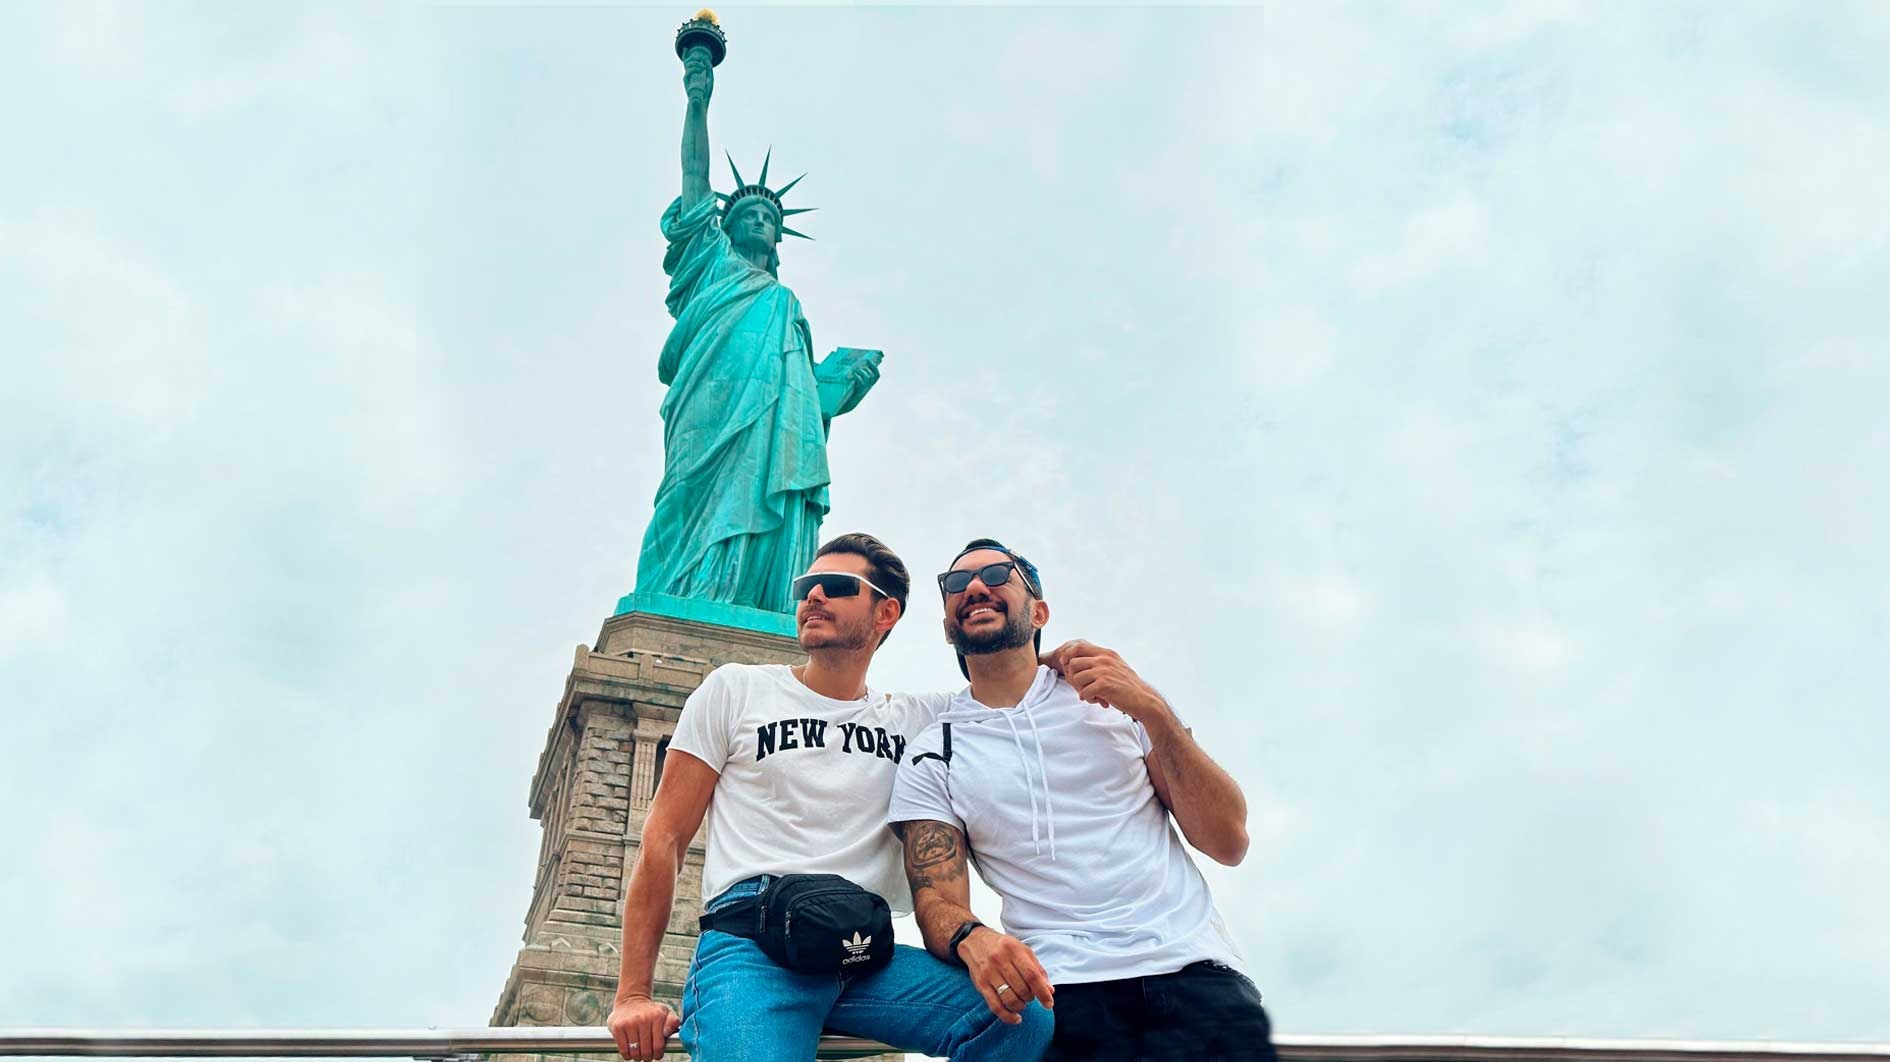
[{"x": 832, "y": 584}]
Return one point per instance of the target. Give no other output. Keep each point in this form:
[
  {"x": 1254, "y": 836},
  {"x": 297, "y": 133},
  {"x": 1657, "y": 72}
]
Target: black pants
[{"x": 1199, "y": 1012}]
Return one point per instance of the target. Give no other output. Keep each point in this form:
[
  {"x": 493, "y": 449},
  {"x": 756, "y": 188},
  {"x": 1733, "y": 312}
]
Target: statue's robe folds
[{"x": 744, "y": 439}]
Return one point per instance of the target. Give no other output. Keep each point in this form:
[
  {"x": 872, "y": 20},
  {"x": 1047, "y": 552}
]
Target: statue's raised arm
[{"x": 699, "y": 85}]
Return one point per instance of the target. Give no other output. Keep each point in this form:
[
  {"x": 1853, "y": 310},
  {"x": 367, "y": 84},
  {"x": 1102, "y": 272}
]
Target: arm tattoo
[
  {"x": 935, "y": 868},
  {"x": 932, "y": 844},
  {"x": 932, "y": 855}
]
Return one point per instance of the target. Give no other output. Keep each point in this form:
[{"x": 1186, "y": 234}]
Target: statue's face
[{"x": 753, "y": 227}]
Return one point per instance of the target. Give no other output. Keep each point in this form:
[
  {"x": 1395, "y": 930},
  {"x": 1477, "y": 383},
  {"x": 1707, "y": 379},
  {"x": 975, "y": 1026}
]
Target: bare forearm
[
  {"x": 646, "y": 908},
  {"x": 1206, "y": 801},
  {"x": 1003, "y": 969},
  {"x": 938, "y": 919},
  {"x": 941, "y": 889}
]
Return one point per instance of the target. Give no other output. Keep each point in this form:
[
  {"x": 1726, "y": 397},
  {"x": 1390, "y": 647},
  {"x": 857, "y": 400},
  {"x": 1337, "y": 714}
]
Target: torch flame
[{"x": 706, "y": 15}]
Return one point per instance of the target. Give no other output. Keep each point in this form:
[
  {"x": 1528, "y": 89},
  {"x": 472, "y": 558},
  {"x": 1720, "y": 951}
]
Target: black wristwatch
[{"x": 958, "y": 937}]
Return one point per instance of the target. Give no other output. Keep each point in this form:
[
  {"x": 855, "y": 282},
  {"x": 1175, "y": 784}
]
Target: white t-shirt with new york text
[{"x": 804, "y": 779}]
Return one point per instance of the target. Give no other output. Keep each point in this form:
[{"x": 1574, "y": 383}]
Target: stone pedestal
[{"x": 600, "y": 766}]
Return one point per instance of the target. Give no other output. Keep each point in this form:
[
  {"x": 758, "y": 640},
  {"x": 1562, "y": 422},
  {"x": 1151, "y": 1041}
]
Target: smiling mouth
[{"x": 975, "y": 611}]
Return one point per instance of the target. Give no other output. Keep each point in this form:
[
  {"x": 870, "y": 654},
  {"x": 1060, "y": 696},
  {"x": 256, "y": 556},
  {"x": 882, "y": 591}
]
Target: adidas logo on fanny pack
[{"x": 856, "y": 948}]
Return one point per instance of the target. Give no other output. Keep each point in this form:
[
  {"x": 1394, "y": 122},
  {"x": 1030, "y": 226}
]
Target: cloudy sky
[{"x": 1473, "y": 416}]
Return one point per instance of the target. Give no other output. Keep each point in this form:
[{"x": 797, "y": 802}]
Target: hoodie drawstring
[
  {"x": 1017, "y": 742},
  {"x": 1049, "y": 809},
  {"x": 1042, "y": 781}
]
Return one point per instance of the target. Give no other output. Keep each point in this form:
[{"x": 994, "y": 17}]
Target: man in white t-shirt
[
  {"x": 793, "y": 767},
  {"x": 1061, "y": 786}
]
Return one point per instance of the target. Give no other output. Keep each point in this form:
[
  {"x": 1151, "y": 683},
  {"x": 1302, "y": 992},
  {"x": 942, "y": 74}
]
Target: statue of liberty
[{"x": 746, "y": 417}]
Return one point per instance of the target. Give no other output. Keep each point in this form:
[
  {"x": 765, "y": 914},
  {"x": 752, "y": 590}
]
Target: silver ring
[{"x": 1003, "y": 988}]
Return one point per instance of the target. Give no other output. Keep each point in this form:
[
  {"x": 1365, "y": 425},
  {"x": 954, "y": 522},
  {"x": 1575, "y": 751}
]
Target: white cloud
[
  {"x": 1328, "y": 600},
  {"x": 1298, "y": 346},
  {"x": 1532, "y": 647},
  {"x": 135, "y": 362},
  {"x": 1437, "y": 238},
  {"x": 34, "y": 615}
]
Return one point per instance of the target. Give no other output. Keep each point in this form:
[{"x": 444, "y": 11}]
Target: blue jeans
[{"x": 739, "y": 1006}]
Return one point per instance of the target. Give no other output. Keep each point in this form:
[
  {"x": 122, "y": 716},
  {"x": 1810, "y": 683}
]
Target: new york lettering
[
  {"x": 787, "y": 734},
  {"x": 872, "y": 740},
  {"x": 784, "y": 734}
]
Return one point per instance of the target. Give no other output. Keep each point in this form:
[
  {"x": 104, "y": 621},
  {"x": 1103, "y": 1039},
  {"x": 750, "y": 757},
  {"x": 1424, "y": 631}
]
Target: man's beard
[
  {"x": 1015, "y": 632},
  {"x": 849, "y": 638}
]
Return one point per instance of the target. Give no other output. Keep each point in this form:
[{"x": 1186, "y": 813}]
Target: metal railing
[
  {"x": 465, "y": 1044},
  {"x": 435, "y": 1044}
]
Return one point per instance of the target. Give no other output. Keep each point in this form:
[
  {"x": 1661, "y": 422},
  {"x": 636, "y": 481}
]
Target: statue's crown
[{"x": 760, "y": 190}]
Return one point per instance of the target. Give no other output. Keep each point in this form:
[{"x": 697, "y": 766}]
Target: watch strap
[{"x": 958, "y": 937}]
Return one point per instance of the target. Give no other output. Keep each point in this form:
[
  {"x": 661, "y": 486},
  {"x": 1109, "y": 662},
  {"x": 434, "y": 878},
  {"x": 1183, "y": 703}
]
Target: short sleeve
[
  {"x": 922, "y": 789},
  {"x": 706, "y": 729}
]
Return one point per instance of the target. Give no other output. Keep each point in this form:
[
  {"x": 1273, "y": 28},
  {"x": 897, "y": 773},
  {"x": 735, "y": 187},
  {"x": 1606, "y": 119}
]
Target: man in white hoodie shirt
[{"x": 1062, "y": 787}]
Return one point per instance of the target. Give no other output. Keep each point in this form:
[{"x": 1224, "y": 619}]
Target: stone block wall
[{"x": 591, "y": 793}]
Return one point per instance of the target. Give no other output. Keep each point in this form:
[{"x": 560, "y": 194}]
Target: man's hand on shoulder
[
  {"x": 1101, "y": 676},
  {"x": 642, "y": 1027},
  {"x": 1005, "y": 972}
]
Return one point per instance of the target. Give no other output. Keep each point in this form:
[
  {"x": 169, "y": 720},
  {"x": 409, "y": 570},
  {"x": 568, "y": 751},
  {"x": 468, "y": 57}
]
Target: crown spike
[{"x": 760, "y": 190}]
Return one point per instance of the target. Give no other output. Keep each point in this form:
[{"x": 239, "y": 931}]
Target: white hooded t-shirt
[
  {"x": 804, "y": 779},
  {"x": 1055, "y": 802}
]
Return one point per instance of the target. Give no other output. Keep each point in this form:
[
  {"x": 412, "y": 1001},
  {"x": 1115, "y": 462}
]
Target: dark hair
[
  {"x": 1033, "y": 583},
  {"x": 884, "y": 569}
]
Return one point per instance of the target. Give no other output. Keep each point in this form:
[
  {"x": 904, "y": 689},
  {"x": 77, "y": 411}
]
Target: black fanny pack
[{"x": 813, "y": 923}]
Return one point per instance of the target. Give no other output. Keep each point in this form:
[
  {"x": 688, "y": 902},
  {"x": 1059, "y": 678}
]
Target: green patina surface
[
  {"x": 720, "y": 613},
  {"x": 746, "y": 417}
]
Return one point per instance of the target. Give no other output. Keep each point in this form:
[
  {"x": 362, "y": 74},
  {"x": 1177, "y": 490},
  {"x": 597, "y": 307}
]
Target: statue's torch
[{"x": 703, "y": 31}]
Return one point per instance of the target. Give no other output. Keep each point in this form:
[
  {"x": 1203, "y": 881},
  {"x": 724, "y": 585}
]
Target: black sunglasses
[
  {"x": 832, "y": 584},
  {"x": 991, "y": 575}
]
